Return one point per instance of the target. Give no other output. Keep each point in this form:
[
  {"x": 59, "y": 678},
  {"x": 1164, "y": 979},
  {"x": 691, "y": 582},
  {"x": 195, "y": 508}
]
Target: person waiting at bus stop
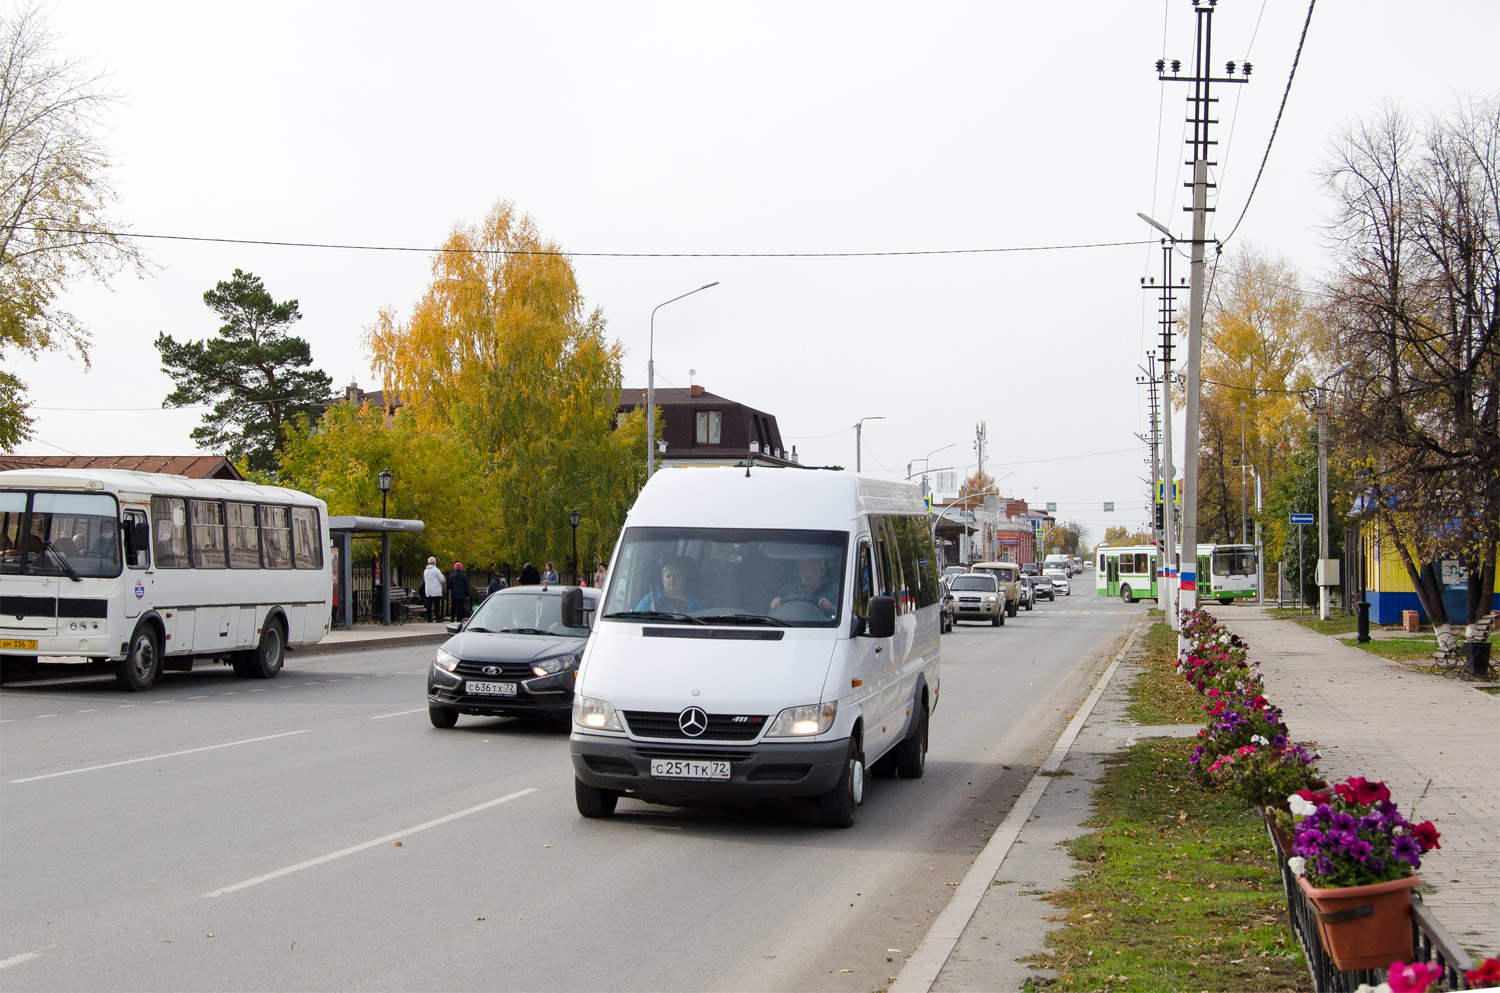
[
  {"x": 458, "y": 593},
  {"x": 432, "y": 588}
]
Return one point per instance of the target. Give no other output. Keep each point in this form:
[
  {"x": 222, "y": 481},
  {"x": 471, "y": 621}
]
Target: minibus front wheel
[
  {"x": 836, "y": 807},
  {"x": 593, "y": 801}
]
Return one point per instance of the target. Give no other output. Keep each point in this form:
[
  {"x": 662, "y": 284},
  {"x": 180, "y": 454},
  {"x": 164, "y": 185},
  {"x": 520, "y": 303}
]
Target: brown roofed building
[
  {"x": 191, "y": 466},
  {"x": 703, "y": 428}
]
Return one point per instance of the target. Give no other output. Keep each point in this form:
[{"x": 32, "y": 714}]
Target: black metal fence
[
  {"x": 1430, "y": 940},
  {"x": 408, "y": 602}
]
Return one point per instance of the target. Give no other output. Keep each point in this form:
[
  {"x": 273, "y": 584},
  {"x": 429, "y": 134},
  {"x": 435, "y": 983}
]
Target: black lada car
[{"x": 512, "y": 658}]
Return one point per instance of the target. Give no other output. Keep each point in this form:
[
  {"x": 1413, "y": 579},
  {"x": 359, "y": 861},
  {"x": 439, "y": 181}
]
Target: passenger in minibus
[{"x": 672, "y": 596}]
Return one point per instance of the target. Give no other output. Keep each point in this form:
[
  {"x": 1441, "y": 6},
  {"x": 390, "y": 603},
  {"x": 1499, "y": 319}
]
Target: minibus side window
[{"x": 864, "y": 581}]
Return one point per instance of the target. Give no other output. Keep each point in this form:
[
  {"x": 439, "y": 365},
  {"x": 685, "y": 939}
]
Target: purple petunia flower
[
  {"x": 1343, "y": 822},
  {"x": 1359, "y": 850},
  {"x": 1325, "y": 865},
  {"x": 1405, "y": 849},
  {"x": 1373, "y": 821}
]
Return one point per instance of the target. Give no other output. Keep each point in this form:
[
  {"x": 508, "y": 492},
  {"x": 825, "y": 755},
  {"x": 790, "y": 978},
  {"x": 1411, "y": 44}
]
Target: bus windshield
[
  {"x": 777, "y": 577},
  {"x": 1234, "y": 562},
  {"x": 59, "y": 534}
]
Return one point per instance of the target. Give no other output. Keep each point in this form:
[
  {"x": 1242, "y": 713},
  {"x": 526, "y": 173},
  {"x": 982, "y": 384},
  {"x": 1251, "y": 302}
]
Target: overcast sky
[{"x": 736, "y": 128}]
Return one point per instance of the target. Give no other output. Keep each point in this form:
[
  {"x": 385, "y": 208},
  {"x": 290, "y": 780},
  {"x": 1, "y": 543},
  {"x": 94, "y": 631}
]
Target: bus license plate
[
  {"x": 491, "y": 689},
  {"x": 22, "y": 644},
  {"x": 688, "y": 769}
]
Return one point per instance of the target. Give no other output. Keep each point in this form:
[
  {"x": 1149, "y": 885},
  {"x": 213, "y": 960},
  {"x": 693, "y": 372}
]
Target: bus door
[
  {"x": 1112, "y": 575},
  {"x": 138, "y": 576}
]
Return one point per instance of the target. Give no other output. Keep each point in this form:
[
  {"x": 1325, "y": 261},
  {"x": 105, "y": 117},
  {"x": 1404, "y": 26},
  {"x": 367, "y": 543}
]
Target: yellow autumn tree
[{"x": 499, "y": 349}]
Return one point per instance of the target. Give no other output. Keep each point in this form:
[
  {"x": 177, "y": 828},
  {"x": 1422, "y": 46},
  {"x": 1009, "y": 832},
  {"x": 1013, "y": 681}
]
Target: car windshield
[
  {"x": 782, "y": 577},
  {"x": 974, "y": 583},
  {"x": 1042, "y": 581},
  {"x": 525, "y": 612}
]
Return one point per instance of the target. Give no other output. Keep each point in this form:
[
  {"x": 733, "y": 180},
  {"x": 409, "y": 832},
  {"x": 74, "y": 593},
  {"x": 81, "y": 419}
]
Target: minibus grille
[
  {"x": 721, "y": 727},
  {"x": 701, "y": 754}
]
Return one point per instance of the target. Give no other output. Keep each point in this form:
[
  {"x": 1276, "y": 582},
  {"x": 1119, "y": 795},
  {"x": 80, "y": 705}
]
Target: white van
[{"x": 764, "y": 634}]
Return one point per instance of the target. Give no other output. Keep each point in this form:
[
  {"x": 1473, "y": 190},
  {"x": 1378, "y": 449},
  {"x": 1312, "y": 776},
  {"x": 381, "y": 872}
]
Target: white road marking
[
  {"x": 153, "y": 758},
  {"x": 23, "y": 957},
  {"x": 40, "y": 716},
  {"x": 383, "y": 839},
  {"x": 91, "y": 710},
  {"x": 401, "y": 713}
]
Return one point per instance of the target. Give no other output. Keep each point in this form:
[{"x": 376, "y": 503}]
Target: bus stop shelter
[{"x": 342, "y": 531}]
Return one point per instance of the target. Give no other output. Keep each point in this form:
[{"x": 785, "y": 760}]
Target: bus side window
[{"x": 137, "y": 537}]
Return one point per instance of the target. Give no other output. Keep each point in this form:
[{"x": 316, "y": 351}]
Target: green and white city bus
[{"x": 1225, "y": 572}]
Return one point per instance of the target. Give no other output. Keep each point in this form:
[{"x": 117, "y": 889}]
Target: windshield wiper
[
  {"x": 523, "y": 631},
  {"x": 741, "y": 619},
  {"x": 656, "y": 615},
  {"x": 62, "y": 560}
]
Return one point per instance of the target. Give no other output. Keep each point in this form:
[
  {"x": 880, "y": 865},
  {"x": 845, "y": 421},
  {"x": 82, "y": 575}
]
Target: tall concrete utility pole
[
  {"x": 1201, "y": 107},
  {"x": 1166, "y": 568}
]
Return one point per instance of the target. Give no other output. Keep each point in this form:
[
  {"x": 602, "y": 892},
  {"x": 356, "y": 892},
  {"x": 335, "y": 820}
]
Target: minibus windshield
[{"x": 753, "y": 576}]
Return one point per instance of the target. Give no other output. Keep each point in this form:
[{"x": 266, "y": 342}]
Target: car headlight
[
  {"x": 446, "y": 661},
  {"x": 596, "y": 715},
  {"x": 547, "y": 667},
  {"x": 797, "y": 722},
  {"x": 992, "y": 598}
]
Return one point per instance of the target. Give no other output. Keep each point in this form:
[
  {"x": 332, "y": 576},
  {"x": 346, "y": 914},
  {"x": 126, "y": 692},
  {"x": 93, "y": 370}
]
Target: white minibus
[
  {"x": 765, "y": 633},
  {"x": 133, "y": 572}
]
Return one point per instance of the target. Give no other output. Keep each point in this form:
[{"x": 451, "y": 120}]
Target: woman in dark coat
[{"x": 458, "y": 592}]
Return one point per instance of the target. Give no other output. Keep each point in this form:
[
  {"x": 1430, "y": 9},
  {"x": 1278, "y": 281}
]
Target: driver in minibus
[{"x": 812, "y": 585}]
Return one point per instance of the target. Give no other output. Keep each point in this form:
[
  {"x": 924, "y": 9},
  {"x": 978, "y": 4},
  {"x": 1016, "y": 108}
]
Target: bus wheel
[
  {"x": 1226, "y": 600},
  {"x": 271, "y": 653},
  {"x": 142, "y": 663},
  {"x": 1125, "y": 593}
]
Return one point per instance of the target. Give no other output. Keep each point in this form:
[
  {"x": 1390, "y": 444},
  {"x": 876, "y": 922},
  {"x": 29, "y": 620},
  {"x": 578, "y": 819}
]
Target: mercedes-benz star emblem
[
  {"x": 692, "y": 722},
  {"x": 491, "y": 670}
]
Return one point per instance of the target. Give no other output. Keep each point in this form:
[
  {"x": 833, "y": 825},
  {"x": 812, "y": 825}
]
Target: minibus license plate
[
  {"x": 688, "y": 769},
  {"x": 24, "y": 644},
  {"x": 491, "y": 689}
]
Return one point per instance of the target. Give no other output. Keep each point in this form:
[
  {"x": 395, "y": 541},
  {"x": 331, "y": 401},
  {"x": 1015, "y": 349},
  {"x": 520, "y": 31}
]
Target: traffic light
[{"x": 1161, "y": 517}]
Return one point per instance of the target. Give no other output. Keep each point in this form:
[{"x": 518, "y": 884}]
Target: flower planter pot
[
  {"x": 1364, "y": 927},
  {"x": 1279, "y": 838}
]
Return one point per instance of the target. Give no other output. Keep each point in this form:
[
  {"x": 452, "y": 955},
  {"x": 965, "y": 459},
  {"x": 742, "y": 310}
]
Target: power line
[
  {"x": 586, "y": 255},
  {"x": 1269, "y": 142}
]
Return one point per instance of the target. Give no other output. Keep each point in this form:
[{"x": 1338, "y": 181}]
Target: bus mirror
[
  {"x": 882, "y": 618},
  {"x": 572, "y": 608}
]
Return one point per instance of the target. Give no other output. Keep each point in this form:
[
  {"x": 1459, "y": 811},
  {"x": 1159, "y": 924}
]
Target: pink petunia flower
[{"x": 1414, "y": 978}]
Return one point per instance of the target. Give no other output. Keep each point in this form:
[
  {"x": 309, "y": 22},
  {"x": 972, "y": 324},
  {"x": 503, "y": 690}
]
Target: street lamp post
[
  {"x": 1321, "y": 403},
  {"x": 926, "y": 465},
  {"x": 1171, "y": 562},
  {"x": 858, "y": 426},
  {"x": 573, "y": 518},
  {"x": 651, "y": 380},
  {"x": 384, "y": 481},
  {"x": 1242, "y": 472}
]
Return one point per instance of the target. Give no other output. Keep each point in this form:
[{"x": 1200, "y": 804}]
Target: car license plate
[
  {"x": 22, "y": 644},
  {"x": 476, "y": 688},
  {"x": 688, "y": 769}
]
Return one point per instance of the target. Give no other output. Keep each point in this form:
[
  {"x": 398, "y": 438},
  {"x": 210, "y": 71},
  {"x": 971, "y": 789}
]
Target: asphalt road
[{"x": 314, "y": 832}]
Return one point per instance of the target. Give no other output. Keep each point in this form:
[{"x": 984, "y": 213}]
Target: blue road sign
[{"x": 1302, "y": 518}]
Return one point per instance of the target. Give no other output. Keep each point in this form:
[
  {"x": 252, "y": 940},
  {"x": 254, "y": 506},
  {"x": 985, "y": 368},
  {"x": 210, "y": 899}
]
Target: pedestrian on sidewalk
[
  {"x": 549, "y": 575},
  {"x": 599, "y": 575},
  {"x": 529, "y": 575},
  {"x": 432, "y": 588},
  {"x": 496, "y": 585},
  {"x": 458, "y": 592}
]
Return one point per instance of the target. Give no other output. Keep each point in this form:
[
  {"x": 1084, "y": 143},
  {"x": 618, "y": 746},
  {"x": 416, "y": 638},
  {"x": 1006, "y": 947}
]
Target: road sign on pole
[{"x": 1301, "y": 518}]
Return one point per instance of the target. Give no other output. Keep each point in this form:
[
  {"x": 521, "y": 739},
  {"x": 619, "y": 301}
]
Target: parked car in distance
[
  {"x": 1041, "y": 588},
  {"x": 947, "y": 612},
  {"x": 978, "y": 596},
  {"x": 512, "y": 658},
  {"x": 1028, "y": 594}
]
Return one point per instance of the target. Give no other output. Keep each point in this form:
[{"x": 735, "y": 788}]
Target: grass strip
[
  {"x": 1399, "y": 649},
  {"x": 1180, "y": 889},
  {"x": 1336, "y": 623},
  {"x": 1159, "y": 695}
]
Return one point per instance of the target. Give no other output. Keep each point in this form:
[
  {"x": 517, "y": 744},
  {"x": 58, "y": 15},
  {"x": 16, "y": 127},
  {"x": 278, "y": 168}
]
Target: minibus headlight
[
  {"x": 798, "y": 722},
  {"x": 595, "y": 715},
  {"x": 546, "y": 667},
  {"x": 445, "y": 661}
]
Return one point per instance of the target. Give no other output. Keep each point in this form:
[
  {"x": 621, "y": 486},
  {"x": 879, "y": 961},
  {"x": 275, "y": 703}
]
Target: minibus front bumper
[{"x": 763, "y": 771}]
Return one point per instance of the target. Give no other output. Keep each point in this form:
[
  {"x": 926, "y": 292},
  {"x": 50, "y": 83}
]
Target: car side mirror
[
  {"x": 454, "y": 628},
  {"x": 882, "y": 618},
  {"x": 572, "y": 607}
]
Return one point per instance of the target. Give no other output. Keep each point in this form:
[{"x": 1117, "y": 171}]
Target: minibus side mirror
[
  {"x": 572, "y": 608},
  {"x": 882, "y": 619}
]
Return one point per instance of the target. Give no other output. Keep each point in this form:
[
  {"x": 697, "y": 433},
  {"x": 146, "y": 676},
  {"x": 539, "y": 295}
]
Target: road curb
[{"x": 926, "y": 963}]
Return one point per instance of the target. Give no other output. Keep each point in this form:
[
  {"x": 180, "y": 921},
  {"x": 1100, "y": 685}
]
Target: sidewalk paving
[
  {"x": 1427, "y": 737},
  {"x": 377, "y": 636}
]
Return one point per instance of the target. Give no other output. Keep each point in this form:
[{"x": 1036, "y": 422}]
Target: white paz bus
[{"x": 134, "y": 572}]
